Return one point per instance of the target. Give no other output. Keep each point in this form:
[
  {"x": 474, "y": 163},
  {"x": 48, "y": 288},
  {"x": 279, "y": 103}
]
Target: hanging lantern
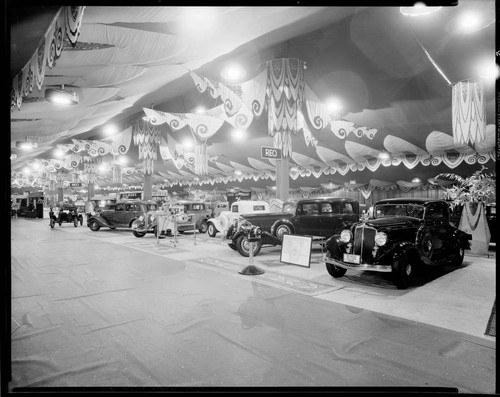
[
  {"x": 468, "y": 112},
  {"x": 147, "y": 137},
  {"x": 285, "y": 94}
]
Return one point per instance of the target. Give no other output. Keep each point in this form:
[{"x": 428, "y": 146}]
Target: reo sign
[{"x": 270, "y": 153}]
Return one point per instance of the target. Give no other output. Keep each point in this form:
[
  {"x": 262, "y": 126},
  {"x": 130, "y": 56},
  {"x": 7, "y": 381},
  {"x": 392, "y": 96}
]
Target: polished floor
[{"x": 108, "y": 309}]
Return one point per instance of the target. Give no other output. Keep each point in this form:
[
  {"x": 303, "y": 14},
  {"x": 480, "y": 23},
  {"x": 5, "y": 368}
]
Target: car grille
[{"x": 364, "y": 241}]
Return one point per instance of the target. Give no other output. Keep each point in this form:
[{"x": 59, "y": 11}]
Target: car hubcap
[{"x": 408, "y": 269}]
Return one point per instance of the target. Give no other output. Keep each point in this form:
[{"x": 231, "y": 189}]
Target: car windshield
[
  {"x": 152, "y": 207},
  {"x": 289, "y": 207},
  {"x": 388, "y": 210}
]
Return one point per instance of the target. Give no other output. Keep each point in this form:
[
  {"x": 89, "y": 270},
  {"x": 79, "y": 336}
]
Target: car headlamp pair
[{"x": 380, "y": 237}]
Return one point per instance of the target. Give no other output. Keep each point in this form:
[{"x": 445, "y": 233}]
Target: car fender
[
  {"x": 402, "y": 247},
  {"x": 279, "y": 222},
  {"x": 214, "y": 222},
  {"x": 201, "y": 219},
  {"x": 462, "y": 238},
  {"x": 101, "y": 221}
]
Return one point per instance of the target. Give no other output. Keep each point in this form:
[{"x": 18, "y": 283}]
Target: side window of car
[
  {"x": 309, "y": 209},
  {"x": 234, "y": 208},
  {"x": 120, "y": 207},
  {"x": 326, "y": 208},
  {"x": 347, "y": 208},
  {"x": 435, "y": 212}
]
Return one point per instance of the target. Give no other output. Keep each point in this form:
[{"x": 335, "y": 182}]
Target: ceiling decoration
[{"x": 131, "y": 62}]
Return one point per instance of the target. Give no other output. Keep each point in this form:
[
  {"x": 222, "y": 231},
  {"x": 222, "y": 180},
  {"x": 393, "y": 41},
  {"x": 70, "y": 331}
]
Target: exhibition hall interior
[{"x": 282, "y": 197}]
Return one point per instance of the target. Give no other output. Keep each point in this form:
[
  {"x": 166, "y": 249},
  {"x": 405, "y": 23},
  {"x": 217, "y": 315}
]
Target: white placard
[{"x": 296, "y": 250}]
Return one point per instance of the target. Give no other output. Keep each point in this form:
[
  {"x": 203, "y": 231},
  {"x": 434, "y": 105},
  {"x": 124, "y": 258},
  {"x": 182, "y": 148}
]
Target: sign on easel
[{"x": 296, "y": 250}]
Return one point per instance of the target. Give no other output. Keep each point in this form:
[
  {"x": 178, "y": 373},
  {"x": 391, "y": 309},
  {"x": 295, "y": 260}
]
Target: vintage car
[
  {"x": 162, "y": 222},
  {"x": 222, "y": 222},
  {"x": 66, "y": 213},
  {"x": 197, "y": 213},
  {"x": 219, "y": 207},
  {"x": 319, "y": 217},
  {"x": 404, "y": 234},
  {"x": 121, "y": 214}
]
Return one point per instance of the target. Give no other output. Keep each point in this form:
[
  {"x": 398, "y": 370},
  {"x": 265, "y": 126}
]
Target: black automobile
[
  {"x": 67, "y": 213},
  {"x": 403, "y": 234},
  {"x": 121, "y": 215},
  {"x": 318, "y": 217}
]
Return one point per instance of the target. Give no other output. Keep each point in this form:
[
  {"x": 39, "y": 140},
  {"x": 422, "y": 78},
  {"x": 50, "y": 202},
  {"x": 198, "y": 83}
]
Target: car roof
[
  {"x": 189, "y": 202},
  {"x": 409, "y": 200},
  {"x": 136, "y": 201},
  {"x": 328, "y": 199}
]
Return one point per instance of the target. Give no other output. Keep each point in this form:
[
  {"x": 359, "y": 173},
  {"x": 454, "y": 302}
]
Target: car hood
[{"x": 393, "y": 221}]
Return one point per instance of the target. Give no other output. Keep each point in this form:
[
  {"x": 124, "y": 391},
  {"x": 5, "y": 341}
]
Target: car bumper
[{"x": 361, "y": 266}]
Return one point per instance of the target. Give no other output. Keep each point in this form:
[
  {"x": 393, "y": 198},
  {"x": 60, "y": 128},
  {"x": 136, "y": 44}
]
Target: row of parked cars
[{"x": 401, "y": 236}]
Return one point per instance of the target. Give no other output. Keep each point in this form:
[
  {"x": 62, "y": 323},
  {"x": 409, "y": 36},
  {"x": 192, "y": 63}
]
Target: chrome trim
[
  {"x": 363, "y": 266},
  {"x": 362, "y": 241}
]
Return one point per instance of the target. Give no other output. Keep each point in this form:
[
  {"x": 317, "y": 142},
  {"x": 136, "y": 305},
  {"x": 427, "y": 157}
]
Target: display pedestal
[
  {"x": 474, "y": 223},
  {"x": 251, "y": 269}
]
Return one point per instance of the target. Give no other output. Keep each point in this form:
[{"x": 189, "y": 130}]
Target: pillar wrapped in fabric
[
  {"x": 147, "y": 137},
  {"x": 200, "y": 159},
  {"x": 468, "y": 112},
  {"x": 117, "y": 173},
  {"x": 89, "y": 167},
  {"x": 285, "y": 94}
]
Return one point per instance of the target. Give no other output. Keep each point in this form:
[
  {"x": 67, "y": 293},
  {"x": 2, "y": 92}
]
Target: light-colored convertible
[{"x": 221, "y": 223}]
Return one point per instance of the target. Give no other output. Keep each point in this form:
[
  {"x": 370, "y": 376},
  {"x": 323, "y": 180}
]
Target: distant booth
[{"x": 31, "y": 205}]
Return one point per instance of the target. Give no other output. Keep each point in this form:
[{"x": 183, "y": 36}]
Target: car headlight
[
  {"x": 380, "y": 239},
  {"x": 141, "y": 218},
  {"x": 345, "y": 236},
  {"x": 152, "y": 218}
]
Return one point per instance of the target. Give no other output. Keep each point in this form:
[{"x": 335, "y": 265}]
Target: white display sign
[{"x": 296, "y": 250}]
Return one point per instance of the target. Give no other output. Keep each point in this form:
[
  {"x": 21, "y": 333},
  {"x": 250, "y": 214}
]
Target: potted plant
[{"x": 472, "y": 193}]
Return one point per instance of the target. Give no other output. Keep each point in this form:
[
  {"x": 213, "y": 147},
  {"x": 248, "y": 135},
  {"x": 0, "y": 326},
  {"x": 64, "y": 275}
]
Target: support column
[
  {"x": 282, "y": 179},
  {"x": 148, "y": 186},
  {"x": 60, "y": 186}
]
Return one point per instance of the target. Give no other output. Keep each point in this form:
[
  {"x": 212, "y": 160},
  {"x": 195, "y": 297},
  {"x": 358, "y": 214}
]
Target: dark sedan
[
  {"x": 121, "y": 214},
  {"x": 402, "y": 235}
]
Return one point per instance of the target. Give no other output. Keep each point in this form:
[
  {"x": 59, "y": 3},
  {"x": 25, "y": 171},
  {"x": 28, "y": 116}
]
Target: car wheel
[
  {"x": 459, "y": 256},
  {"x": 403, "y": 270},
  {"x": 60, "y": 222},
  {"x": 75, "y": 222},
  {"x": 203, "y": 227},
  {"x": 232, "y": 246},
  {"x": 243, "y": 246},
  {"x": 81, "y": 221},
  {"x": 212, "y": 230},
  {"x": 52, "y": 223},
  {"x": 281, "y": 230},
  {"x": 138, "y": 234},
  {"x": 94, "y": 226},
  {"x": 335, "y": 271},
  {"x": 424, "y": 243}
]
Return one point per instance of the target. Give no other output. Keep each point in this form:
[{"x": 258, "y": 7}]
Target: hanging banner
[
  {"x": 468, "y": 112},
  {"x": 284, "y": 94},
  {"x": 66, "y": 23}
]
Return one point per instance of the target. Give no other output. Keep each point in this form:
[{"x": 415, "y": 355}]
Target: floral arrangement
[{"x": 480, "y": 187}]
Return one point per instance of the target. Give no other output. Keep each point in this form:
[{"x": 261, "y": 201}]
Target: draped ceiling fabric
[
  {"x": 65, "y": 24},
  {"x": 400, "y": 119}
]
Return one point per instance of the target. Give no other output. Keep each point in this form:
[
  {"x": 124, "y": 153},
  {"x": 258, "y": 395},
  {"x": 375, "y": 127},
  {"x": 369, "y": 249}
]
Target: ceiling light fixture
[
  {"x": 60, "y": 96},
  {"x": 416, "y": 179},
  {"x": 418, "y": 9}
]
